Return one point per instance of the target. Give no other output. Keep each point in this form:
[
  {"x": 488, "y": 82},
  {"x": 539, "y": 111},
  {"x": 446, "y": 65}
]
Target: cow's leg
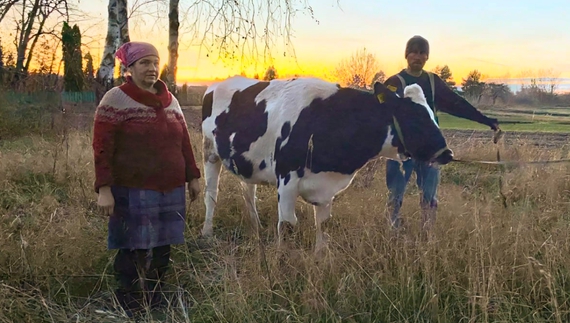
[
  {"x": 287, "y": 193},
  {"x": 322, "y": 213},
  {"x": 212, "y": 168},
  {"x": 249, "y": 191}
]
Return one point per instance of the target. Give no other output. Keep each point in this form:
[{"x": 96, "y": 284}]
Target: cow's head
[{"x": 418, "y": 135}]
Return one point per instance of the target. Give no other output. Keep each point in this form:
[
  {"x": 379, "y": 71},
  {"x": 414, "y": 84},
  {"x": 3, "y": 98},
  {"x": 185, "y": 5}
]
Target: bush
[{"x": 26, "y": 114}]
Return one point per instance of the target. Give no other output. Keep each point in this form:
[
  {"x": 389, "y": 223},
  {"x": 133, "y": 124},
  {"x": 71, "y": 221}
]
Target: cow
[{"x": 308, "y": 137}]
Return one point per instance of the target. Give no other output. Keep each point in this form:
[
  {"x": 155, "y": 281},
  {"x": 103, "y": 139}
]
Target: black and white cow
[{"x": 308, "y": 137}]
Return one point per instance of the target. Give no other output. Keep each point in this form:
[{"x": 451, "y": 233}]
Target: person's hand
[
  {"x": 498, "y": 132},
  {"x": 193, "y": 189},
  {"x": 106, "y": 201},
  {"x": 493, "y": 124}
]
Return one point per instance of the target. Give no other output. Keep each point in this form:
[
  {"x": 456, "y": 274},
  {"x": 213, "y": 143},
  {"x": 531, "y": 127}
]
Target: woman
[{"x": 143, "y": 159}]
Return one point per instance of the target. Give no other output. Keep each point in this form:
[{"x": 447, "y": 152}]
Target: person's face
[
  {"x": 145, "y": 71},
  {"x": 417, "y": 59}
]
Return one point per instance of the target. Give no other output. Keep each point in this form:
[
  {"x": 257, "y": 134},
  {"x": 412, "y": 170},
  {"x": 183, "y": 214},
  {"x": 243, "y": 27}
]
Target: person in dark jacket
[{"x": 439, "y": 97}]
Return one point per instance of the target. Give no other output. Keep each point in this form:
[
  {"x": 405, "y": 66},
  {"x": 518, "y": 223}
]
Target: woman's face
[{"x": 145, "y": 71}]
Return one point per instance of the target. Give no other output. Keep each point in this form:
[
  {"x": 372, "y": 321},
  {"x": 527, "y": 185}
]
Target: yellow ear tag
[
  {"x": 392, "y": 88},
  {"x": 380, "y": 97}
]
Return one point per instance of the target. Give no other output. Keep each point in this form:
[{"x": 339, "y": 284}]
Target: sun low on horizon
[
  {"x": 501, "y": 40},
  {"x": 206, "y": 71},
  {"x": 193, "y": 69}
]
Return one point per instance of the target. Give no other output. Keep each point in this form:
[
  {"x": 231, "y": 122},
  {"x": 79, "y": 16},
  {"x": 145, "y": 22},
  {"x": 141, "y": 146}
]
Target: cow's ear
[
  {"x": 383, "y": 93},
  {"x": 378, "y": 87}
]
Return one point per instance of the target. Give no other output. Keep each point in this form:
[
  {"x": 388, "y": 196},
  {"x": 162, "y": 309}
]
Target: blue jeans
[{"x": 397, "y": 177}]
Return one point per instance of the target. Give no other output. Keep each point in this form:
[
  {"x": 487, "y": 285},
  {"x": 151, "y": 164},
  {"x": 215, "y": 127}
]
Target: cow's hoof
[
  {"x": 322, "y": 246},
  {"x": 321, "y": 251},
  {"x": 207, "y": 232},
  {"x": 286, "y": 234}
]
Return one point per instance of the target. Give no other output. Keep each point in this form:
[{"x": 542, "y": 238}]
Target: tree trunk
[
  {"x": 24, "y": 39},
  {"x": 173, "y": 26},
  {"x": 34, "y": 42},
  {"x": 123, "y": 21},
  {"x": 106, "y": 69},
  {"x": 33, "y": 15}
]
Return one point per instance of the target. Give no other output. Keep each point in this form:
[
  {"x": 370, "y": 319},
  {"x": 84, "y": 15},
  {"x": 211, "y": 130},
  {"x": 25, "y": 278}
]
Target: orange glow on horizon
[
  {"x": 195, "y": 68},
  {"x": 507, "y": 53},
  {"x": 191, "y": 74},
  {"x": 187, "y": 74},
  {"x": 318, "y": 66}
]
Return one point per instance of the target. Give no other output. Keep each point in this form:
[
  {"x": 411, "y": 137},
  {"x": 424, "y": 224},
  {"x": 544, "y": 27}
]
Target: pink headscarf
[{"x": 131, "y": 52}]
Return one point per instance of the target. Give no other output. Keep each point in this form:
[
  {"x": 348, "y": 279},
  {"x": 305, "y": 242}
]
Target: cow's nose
[{"x": 445, "y": 157}]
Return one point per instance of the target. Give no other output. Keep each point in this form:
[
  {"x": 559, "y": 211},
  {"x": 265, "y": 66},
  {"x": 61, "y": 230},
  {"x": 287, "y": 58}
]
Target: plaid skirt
[{"x": 144, "y": 219}]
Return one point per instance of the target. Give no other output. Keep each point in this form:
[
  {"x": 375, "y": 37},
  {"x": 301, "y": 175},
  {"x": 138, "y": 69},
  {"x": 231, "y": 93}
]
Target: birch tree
[
  {"x": 230, "y": 30},
  {"x": 123, "y": 23},
  {"x": 246, "y": 32},
  {"x": 173, "y": 26},
  {"x": 107, "y": 66},
  {"x": 117, "y": 35}
]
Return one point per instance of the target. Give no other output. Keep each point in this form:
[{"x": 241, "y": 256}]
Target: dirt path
[{"x": 539, "y": 139}]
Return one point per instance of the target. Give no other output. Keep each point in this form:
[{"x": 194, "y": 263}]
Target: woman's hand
[
  {"x": 106, "y": 200},
  {"x": 194, "y": 189}
]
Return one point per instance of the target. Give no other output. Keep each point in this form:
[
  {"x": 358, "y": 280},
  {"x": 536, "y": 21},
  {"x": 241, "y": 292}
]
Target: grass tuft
[{"x": 486, "y": 263}]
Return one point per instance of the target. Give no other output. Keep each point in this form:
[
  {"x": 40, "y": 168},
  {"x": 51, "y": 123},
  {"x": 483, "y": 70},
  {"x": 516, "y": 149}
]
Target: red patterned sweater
[{"x": 140, "y": 139}]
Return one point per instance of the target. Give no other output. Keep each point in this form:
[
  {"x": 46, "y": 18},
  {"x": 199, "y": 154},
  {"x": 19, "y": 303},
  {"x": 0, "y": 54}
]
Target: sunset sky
[{"x": 499, "y": 38}]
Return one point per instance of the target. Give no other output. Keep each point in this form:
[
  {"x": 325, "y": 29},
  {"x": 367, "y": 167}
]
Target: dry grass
[{"x": 487, "y": 263}]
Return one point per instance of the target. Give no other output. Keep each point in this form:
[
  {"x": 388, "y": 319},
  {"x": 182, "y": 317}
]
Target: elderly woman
[{"x": 143, "y": 160}]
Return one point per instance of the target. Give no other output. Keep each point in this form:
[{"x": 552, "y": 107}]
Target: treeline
[
  {"x": 79, "y": 75},
  {"x": 78, "y": 69},
  {"x": 536, "y": 91}
]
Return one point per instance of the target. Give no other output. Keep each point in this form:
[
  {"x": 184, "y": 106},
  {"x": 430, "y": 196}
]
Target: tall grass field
[{"x": 500, "y": 250}]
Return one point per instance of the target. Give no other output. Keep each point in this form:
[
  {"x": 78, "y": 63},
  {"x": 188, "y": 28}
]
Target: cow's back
[
  {"x": 218, "y": 95},
  {"x": 250, "y": 117},
  {"x": 283, "y": 97}
]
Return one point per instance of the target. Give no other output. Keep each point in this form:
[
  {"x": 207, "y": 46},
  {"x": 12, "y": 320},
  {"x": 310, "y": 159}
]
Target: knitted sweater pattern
[{"x": 141, "y": 140}]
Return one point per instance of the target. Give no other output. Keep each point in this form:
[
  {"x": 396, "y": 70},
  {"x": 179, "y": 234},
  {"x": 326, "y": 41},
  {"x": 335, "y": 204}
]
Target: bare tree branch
[
  {"x": 5, "y": 7},
  {"x": 46, "y": 10},
  {"x": 248, "y": 32},
  {"x": 25, "y": 29},
  {"x": 32, "y": 20}
]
